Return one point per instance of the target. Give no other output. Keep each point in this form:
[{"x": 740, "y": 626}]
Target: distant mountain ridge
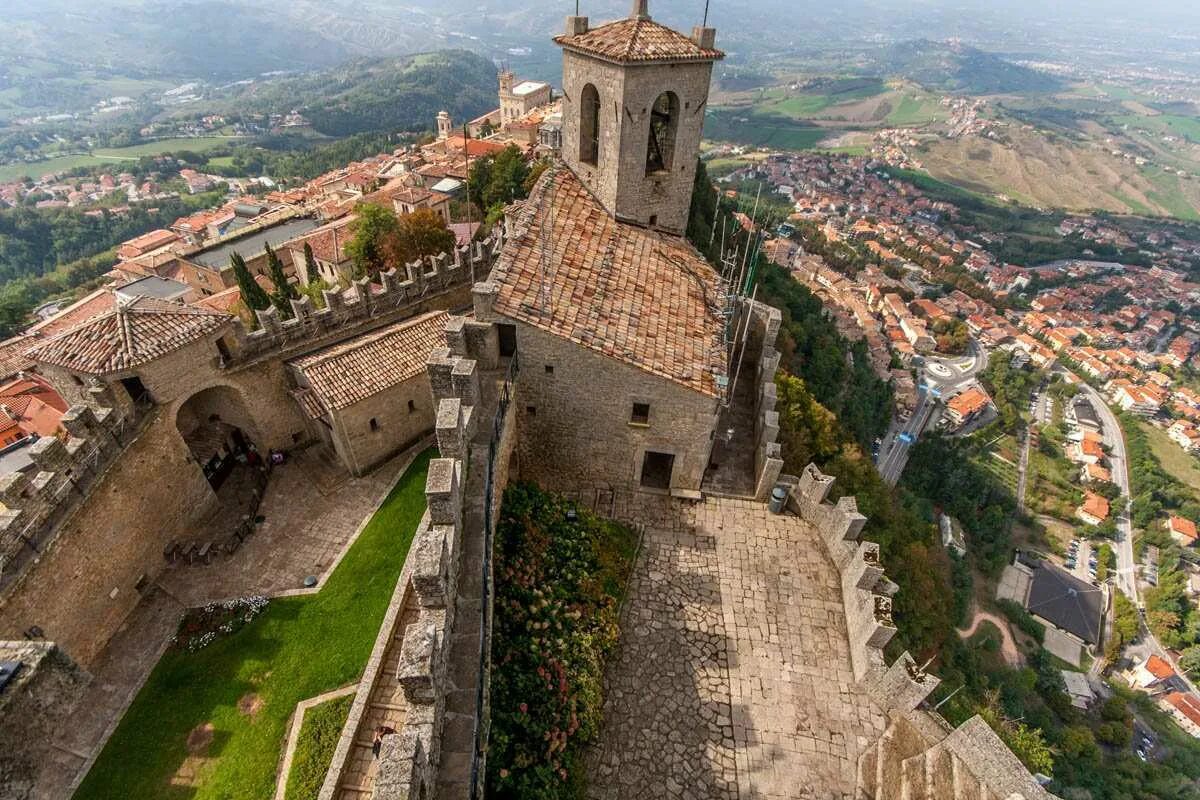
[
  {"x": 956, "y": 67},
  {"x": 376, "y": 94}
]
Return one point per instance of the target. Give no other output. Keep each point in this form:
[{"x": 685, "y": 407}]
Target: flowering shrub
[
  {"x": 558, "y": 584},
  {"x": 203, "y": 626}
]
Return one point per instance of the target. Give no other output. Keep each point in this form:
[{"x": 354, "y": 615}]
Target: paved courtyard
[
  {"x": 311, "y": 511},
  {"x": 733, "y": 677}
]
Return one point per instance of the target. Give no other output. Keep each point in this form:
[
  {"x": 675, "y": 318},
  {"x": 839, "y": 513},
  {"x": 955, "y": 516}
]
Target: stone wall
[
  {"x": 362, "y": 445},
  {"x": 768, "y": 457},
  {"x": 105, "y": 547},
  {"x": 409, "y": 760},
  {"x": 574, "y": 407},
  {"x": 442, "y": 281},
  {"x": 33, "y": 708},
  {"x": 919, "y": 753}
]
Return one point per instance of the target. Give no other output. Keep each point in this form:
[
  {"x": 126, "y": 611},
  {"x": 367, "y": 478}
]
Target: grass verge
[{"x": 314, "y": 748}]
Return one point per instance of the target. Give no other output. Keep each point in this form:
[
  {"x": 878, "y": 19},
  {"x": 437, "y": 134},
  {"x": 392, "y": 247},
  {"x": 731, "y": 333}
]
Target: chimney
[
  {"x": 577, "y": 25},
  {"x": 704, "y": 37},
  {"x": 641, "y": 9}
]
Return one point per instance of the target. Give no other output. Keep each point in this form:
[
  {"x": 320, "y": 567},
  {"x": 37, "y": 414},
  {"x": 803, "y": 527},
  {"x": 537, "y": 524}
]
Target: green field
[
  {"x": 100, "y": 157},
  {"x": 1169, "y": 195},
  {"x": 811, "y": 101},
  {"x": 915, "y": 110},
  {"x": 1174, "y": 460},
  {"x": 299, "y": 647},
  {"x": 762, "y": 130}
]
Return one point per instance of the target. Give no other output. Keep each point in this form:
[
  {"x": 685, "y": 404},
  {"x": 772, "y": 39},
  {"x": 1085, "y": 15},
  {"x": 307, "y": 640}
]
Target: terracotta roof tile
[
  {"x": 131, "y": 334},
  {"x": 354, "y": 370},
  {"x": 636, "y": 295},
  {"x": 637, "y": 40}
]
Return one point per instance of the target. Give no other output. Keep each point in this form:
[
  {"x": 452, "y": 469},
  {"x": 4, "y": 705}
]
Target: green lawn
[
  {"x": 297, "y": 648},
  {"x": 315, "y": 747}
]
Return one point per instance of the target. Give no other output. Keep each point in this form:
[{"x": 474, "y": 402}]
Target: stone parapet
[
  {"x": 919, "y": 754},
  {"x": 37, "y": 501},
  {"x": 768, "y": 458},
  {"x": 404, "y": 292}
]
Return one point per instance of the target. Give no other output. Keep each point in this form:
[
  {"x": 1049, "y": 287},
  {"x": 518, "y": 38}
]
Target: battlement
[
  {"x": 919, "y": 754},
  {"x": 432, "y": 581},
  {"x": 768, "y": 456},
  {"x": 38, "y": 501},
  {"x": 402, "y": 292},
  {"x": 866, "y": 591}
]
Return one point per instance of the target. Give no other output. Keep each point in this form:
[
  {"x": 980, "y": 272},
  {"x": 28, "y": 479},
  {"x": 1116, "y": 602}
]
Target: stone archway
[{"x": 219, "y": 431}]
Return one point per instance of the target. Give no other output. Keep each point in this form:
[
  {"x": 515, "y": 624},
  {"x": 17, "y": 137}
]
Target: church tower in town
[{"x": 634, "y": 97}]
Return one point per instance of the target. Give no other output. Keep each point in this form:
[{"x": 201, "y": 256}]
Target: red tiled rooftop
[
  {"x": 1159, "y": 668},
  {"x": 637, "y": 40},
  {"x": 130, "y": 334},
  {"x": 346, "y": 373},
  {"x": 639, "y": 296}
]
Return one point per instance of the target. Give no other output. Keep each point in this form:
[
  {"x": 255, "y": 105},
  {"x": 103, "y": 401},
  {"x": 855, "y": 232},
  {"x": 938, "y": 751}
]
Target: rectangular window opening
[{"x": 640, "y": 414}]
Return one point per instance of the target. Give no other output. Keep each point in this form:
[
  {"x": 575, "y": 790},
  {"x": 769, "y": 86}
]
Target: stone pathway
[{"x": 733, "y": 677}]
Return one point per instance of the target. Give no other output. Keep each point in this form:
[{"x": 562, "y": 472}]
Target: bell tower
[{"x": 634, "y": 96}]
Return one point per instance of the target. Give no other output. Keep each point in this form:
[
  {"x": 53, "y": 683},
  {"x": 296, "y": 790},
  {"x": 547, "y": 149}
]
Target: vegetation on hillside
[{"x": 46, "y": 253}]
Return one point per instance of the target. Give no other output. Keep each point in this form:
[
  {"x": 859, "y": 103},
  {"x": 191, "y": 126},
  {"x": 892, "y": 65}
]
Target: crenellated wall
[
  {"x": 768, "y": 457},
  {"x": 432, "y": 583},
  {"x": 37, "y": 501},
  {"x": 442, "y": 281},
  {"x": 866, "y": 592},
  {"x": 919, "y": 754}
]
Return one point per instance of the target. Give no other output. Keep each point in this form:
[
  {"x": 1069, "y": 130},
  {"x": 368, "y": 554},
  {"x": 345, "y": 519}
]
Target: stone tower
[
  {"x": 634, "y": 96},
  {"x": 444, "y": 125}
]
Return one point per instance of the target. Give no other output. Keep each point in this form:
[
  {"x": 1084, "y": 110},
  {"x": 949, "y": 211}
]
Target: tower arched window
[
  {"x": 664, "y": 124},
  {"x": 589, "y": 125}
]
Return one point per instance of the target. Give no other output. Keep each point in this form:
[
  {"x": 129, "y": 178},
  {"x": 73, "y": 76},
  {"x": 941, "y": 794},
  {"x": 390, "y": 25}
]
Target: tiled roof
[
  {"x": 637, "y": 40},
  {"x": 328, "y": 242},
  {"x": 354, "y": 370},
  {"x": 636, "y": 295},
  {"x": 1159, "y": 668},
  {"x": 12, "y": 356},
  {"x": 131, "y": 334},
  {"x": 98, "y": 302},
  {"x": 1065, "y": 601}
]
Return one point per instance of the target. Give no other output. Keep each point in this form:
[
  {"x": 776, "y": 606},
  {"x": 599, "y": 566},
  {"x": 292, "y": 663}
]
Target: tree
[
  {"x": 375, "y": 227},
  {"x": 253, "y": 295},
  {"x": 1189, "y": 660},
  {"x": 284, "y": 291},
  {"x": 311, "y": 272},
  {"x": 421, "y": 234}
]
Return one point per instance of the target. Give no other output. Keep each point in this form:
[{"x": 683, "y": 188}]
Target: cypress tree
[
  {"x": 311, "y": 273},
  {"x": 284, "y": 291},
  {"x": 253, "y": 295}
]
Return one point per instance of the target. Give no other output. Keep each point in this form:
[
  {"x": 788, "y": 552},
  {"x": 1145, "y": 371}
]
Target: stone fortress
[{"x": 587, "y": 347}]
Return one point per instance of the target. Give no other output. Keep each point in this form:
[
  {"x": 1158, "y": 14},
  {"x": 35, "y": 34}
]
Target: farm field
[{"x": 9, "y": 172}]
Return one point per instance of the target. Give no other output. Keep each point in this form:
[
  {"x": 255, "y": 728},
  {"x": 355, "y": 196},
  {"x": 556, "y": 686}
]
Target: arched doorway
[{"x": 219, "y": 432}]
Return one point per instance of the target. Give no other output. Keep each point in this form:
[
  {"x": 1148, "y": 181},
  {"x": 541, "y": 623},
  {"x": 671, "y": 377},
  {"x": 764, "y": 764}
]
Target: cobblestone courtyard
[{"x": 733, "y": 677}]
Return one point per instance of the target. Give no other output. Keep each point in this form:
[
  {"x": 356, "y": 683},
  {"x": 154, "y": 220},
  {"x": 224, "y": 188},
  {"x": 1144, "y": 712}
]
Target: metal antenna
[
  {"x": 470, "y": 233},
  {"x": 577, "y": 8},
  {"x": 702, "y": 24}
]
